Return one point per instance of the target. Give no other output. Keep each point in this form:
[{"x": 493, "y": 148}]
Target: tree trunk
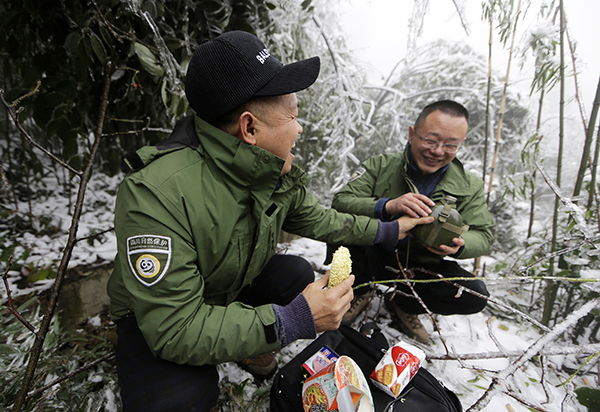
[{"x": 552, "y": 287}]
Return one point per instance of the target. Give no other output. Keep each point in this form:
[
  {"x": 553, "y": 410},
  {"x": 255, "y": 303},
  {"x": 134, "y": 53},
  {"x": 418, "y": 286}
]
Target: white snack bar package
[
  {"x": 340, "y": 386},
  {"x": 397, "y": 367}
]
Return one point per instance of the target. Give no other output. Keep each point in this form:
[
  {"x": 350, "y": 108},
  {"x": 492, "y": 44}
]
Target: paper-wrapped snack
[
  {"x": 397, "y": 367},
  {"x": 341, "y": 386}
]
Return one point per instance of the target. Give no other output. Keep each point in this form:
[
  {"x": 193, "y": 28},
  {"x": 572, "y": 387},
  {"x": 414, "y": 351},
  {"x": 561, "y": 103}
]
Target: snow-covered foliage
[{"x": 501, "y": 356}]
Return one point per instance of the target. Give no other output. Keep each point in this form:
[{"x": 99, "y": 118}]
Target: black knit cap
[{"x": 236, "y": 66}]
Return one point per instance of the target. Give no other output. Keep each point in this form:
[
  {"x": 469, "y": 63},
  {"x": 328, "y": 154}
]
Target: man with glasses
[{"x": 390, "y": 185}]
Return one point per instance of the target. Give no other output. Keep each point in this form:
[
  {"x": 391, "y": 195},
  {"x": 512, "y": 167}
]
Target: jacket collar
[
  {"x": 454, "y": 181},
  {"x": 247, "y": 165}
]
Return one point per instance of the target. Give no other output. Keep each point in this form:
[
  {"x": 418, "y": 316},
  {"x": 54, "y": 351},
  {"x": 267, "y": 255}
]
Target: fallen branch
[
  {"x": 534, "y": 349},
  {"x": 526, "y": 403},
  {"x": 561, "y": 350}
]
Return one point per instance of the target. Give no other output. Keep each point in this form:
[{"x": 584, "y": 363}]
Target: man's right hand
[
  {"x": 406, "y": 223},
  {"x": 328, "y": 306},
  {"x": 410, "y": 204}
]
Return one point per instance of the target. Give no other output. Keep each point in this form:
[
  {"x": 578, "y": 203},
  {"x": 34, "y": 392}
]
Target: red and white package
[{"x": 397, "y": 367}]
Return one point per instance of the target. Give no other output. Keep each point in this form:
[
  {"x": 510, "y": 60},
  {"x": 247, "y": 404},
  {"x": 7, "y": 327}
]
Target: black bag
[{"x": 424, "y": 392}]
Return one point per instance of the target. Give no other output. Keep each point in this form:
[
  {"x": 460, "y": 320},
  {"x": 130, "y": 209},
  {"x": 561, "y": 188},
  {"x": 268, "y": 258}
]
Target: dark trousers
[
  {"x": 369, "y": 263},
  {"x": 151, "y": 384}
]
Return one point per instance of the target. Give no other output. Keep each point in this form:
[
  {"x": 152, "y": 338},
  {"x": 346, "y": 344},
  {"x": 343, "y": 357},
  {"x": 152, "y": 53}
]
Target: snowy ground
[
  {"x": 488, "y": 331},
  {"x": 478, "y": 333}
]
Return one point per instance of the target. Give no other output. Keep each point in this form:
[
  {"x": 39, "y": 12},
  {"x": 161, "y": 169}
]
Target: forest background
[{"x": 83, "y": 84}]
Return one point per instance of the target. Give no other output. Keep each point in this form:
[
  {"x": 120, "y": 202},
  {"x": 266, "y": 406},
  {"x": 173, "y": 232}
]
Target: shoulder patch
[
  {"x": 358, "y": 173},
  {"x": 149, "y": 257}
]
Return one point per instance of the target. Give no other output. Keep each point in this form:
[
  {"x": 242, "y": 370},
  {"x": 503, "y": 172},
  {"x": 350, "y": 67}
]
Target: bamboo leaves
[{"x": 149, "y": 62}]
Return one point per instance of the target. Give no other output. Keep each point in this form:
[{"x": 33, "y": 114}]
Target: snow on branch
[
  {"x": 498, "y": 382},
  {"x": 575, "y": 211},
  {"x": 562, "y": 350}
]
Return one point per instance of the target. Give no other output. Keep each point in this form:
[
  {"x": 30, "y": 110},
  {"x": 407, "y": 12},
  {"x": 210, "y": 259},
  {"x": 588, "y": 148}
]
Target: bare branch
[
  {"x": 133, "y": 132},
  {"x": 15, "y": 120},
  {"x": 494, "y": 388},
  {"x": 560, "y": 252},
  {"x": 416, "y": 295},
  {"x": 40, "y": 336},
  {"x": 11, "y": 306},
  {"x": 461, "y": 13},
  {"x": 4, "y": 179},
  {"x": 588, "y": 360},
  {"x": 70, "y": 375},
  {"x": 492, "y": 336},
  {"x": 488, "y": 298},
  {"x": 94, "y": 235},
  {"x": 526, "y": 403},
  {"x": 543, "y": 380}
]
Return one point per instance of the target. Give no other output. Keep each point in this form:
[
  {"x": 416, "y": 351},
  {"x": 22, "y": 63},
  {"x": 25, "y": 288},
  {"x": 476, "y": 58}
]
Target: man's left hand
[{"x": 448, "y": 250}]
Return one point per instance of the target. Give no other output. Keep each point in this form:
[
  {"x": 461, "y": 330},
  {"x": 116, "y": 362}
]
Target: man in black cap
[{"x": 197, "y": 281}]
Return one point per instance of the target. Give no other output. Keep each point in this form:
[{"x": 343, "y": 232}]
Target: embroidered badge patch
[
  {"x": 149, "y": 257},
  {"x": 359, "y": 172}
]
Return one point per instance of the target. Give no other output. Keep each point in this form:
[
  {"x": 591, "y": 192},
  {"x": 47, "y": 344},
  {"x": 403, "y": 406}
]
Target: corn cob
[{"x": 341, "y": 266}]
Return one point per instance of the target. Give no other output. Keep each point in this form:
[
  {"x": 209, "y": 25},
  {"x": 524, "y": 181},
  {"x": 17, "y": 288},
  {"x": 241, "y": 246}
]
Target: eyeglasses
[{"x": 433, "y": 144}]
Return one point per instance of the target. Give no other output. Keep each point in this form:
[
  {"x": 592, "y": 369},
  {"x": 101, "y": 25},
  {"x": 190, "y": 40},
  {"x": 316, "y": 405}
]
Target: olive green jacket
[
  {"x": 196, "y": 221},
  {"x": 386, "y": 176}
]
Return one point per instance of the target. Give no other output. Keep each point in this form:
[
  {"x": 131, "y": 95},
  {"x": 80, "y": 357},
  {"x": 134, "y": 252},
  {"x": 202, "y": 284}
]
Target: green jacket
[
  {"x": 196, "y": 221},
  {"x": 386, "y": 176}
]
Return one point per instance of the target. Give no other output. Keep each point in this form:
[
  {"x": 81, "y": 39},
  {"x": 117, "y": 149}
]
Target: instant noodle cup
[
  {"x": 397, "y": 367},
  {"x": 340, "y": 386}
]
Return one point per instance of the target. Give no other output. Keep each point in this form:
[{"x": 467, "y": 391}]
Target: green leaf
[
  {"x": 83, "y": 51},
  {"x": 305, "y": 4},
  {"x": 589, "y": 398},
  {"x": 98, "y": 47},
  {"x": 7, "y": 252},
  {"x": 41, "y": 275},
  {"x": 71, "y": 43},
  {"x": 150, "y": 7},
  {"x": 25, "y": 255},
  {"x": 163, "y": 93},
  {"x": 148, "y": 60},
  {"x": 106, "y": 36},
  {"x": 28, "y": 303}
]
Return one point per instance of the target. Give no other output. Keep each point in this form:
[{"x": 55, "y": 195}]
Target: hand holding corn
[{"x": 341, "y": 266}]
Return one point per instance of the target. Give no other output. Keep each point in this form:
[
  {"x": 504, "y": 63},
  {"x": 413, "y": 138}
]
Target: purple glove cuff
[{"x": 295, "y": 321}]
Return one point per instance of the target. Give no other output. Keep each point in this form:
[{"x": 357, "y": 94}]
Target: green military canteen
[{"x": 447, "y": 225}]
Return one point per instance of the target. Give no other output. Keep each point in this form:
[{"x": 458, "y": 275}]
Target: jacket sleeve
[
  {"x": 172, "y": 313},
  {"x": 306, "y": 217},
  {"x": 358, "y": 195},
  {"x": 474, "y": 211}
]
